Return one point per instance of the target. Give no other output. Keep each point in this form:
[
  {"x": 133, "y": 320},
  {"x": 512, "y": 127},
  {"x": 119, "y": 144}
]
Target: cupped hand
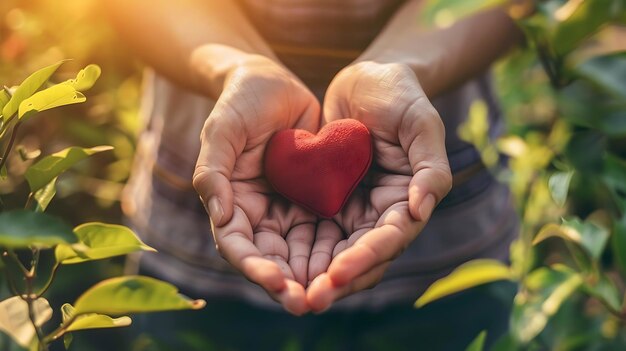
[
  {"x": 262, "y": 235},
  {"x": 409, "y": 176}
]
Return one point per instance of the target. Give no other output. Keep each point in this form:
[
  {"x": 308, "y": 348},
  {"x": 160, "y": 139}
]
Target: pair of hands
[{"x": 304, "y": 262}]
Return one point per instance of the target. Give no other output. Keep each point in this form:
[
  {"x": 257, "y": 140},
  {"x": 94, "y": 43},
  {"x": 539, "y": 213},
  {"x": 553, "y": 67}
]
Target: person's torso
[{"x": 316, "y": 38}]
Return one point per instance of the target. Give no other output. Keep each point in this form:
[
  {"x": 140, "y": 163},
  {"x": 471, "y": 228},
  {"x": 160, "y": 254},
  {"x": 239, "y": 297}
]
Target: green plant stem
[
  {"x": 10, "y": 145},
  {"x": 9, "y": 276},
  {"x": 35, "y": 261},
  {"x": 7, "y": 120},
  {"x": 29, "y": 201},
  {"x": 43, "y": 346},
  {"x": 58, "y": 332},
  {"x": 30, "y": 299},
  {"x": 551, "y": 68},
  {"x": 5, "y": 126},
  {"x": 621, "y": 315},
  {"x": 17, "y": 261},
  {"x": 49, "y": 282}
]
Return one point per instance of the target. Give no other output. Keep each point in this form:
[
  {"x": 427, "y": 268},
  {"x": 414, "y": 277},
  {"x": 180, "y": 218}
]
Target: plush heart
[{"x": 319, "y": 171}]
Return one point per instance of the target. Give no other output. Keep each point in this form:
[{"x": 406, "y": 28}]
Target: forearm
[
  {"x": 195, "y": 43},
  {"x": 444, "y": 58}
]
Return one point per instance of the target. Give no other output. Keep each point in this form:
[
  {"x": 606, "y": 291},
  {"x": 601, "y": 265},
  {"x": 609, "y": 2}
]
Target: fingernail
[
  {"x": 216, "y": 212},
  {"x": 427, "y": 207}
]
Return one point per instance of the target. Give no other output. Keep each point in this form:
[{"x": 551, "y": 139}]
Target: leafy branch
[{"x": 31, "y": 232}]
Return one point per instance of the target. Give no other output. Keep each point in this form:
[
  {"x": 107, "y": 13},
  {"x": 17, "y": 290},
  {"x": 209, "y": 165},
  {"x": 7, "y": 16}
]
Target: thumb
[
  {"x": 426, "y": 189},
  {"x": 334, "y": 106},
  {"x": 216, "y": 161},
  {"x": 432, "y": 179}
]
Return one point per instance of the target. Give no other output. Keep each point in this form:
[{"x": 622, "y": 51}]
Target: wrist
[
  {"x": 423, "y": 66},
  {"x": 375, "y": 68},
  {"x": 212, "y": 64}
]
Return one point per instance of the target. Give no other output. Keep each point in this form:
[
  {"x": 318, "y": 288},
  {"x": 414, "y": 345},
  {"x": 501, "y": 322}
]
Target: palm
[
  {"x": 383, "y": 191},
  {"x": 409, "y": 174},
  {"x": 380, "y": 201},
  {"x": 283, "y": 233},
  {"x": 261, "y": 234}
]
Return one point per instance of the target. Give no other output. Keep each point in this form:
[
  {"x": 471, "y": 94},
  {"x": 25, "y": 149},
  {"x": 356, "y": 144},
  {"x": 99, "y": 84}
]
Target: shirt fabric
[{"x": 314, "y": 38}]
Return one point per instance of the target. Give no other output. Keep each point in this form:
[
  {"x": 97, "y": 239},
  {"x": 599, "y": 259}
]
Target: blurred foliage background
[
  {"x": 36, "y": 33},
  {"x": 564, "y": 99}
]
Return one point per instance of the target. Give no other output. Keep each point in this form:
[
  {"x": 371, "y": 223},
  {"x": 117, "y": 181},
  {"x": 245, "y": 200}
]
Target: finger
[
  {"x": 222, "y": 141},
  {"x": 309, "y": 119},
  {"x": 273, "y": 247},
  {"x": 423, "y": 138},
  {"x": 299, "y": 241},
  {"x": 234, "y": 241},
  {"x": 323, "y": 292},
  {"x": 344, "y": 244},
  {"x": 327, "y": 235},
  {"x": 394, "y": 231},
  {"x": 426, "y": 189},
  {"x": 334, "y": 106},
  {"x": 293, "y": 298}
]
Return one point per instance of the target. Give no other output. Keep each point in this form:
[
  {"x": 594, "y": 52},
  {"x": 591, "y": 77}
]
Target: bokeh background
[{"x": 563, "y": 97}]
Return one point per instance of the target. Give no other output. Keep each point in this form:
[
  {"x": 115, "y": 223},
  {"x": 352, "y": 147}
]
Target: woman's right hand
[{"x": 261, "y": 234}]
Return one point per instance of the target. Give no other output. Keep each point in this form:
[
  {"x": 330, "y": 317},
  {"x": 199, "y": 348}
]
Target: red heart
[{"x": 319, "y": 171}]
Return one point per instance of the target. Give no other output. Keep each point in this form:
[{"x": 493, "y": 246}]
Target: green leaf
[
  {"x": 21, "y": 229},
  {"x": 48, "y": 168},
  {"x": 86, "y": 78},
  {"x": 98, "y": 241},
  {"x": 67, "y": 312},
  {"x": 479, "y": 342},
  {"x": 15, "y": 322},
  {"x": 587, "y": 235},
  {"x": 614, "y": 173},
  {"x": 577, "y": 21},
  {"x": 594, "y": 237},
  {"x": 559, "y": 186},
  {"x": 98, "y": 321},
  {"x": 4, "y": 99},
  {"x": 132, "y": 294},
  {"x": 606, "y": 291},
  {"x": 618, "y": 243},
  {"x": 476, "y": 129},
  {"x": 28, "y": 87},
  {"x": 583, "y": 104},
  {"x": 547, "y": 289},
  {"x": 44, "y": 195},
  {"x": 67, "y": 340},
  {"x": 585, "y": 150},
  {"x": 55, "y": 96},
  {"x": 607, "y": 72},
  {"x": 507, "y": 342},
  {"x": 90, "y": 321},
  {"x": 521, "y": 256},
  {"x": 467, "y": 275},
  {"x": 26, "y": 155}
]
